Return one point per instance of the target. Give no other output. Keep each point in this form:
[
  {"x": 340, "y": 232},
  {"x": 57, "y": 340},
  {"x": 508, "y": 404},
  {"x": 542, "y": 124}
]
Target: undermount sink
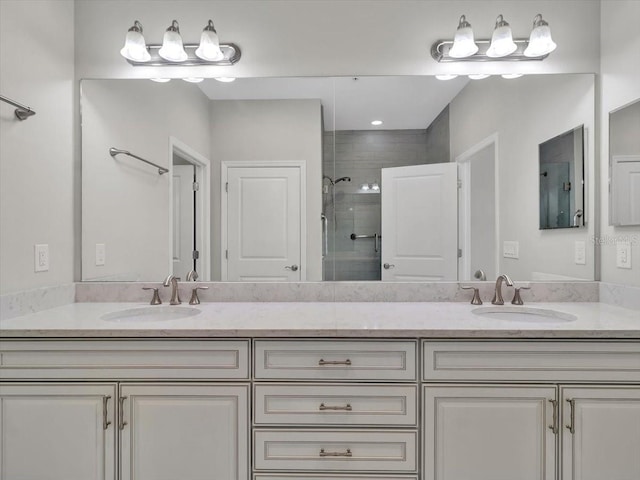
[
  {"x": 151, "y": 314},
  {"x": 524, "y": 314}
]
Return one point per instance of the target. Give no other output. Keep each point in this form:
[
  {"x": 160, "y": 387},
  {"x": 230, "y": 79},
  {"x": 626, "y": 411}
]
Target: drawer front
[
  {"x": 335, "y": 405},
  {"x": 335, "y": 360},
  {"x": 551, "y": 361},
  {"x": 269, "y": 476},
  {"x": 122, "y": 359},
  {"x": 332, "y": 450}
]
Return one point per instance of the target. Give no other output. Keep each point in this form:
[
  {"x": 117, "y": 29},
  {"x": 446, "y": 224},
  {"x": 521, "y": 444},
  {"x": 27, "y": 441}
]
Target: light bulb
[
  {"x": 172, "y": 48},
  {"x": 540, "y": 42},
  {"x": 225, "y": 79},
  {"x": 376, "y": 122},
  {"x": 464, "y": 44},
  {"x": 502, "y": 43},
  {"x": 209, "y": 48},
  {"x": 510, "y": 76},
  {"x": 479, "y": 76},
  {"x": 135, "y": 48},
  {"x": 446, "y": 77},
  {"x": 193, "y": 79},
  {"x": 160, "y": 80}
]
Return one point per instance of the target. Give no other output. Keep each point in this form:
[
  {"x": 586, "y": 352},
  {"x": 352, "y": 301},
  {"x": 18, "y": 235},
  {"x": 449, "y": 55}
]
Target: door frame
[
  {"x": 203, "y": 205},
  {"x": 464, "y": 204},
  {"x": 225, "y": 165}
]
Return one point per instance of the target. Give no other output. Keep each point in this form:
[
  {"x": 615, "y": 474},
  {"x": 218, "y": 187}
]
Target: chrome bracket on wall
[
  {"x": 440, "y": 52},
  {"x": 230, "y": 51},
  {"x": 22, "y": 112}
]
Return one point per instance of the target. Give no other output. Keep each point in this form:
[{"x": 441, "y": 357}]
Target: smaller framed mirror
[
  {"x": 624, "y": 165},
  {"x": 561, "y": 162}
]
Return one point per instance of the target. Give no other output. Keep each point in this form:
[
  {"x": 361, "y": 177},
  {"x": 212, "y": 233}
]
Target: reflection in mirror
[
  {"x": 624, "y": 163},
  {"x": 562, "y": 180},
  {"x": 392, "y": 178}
]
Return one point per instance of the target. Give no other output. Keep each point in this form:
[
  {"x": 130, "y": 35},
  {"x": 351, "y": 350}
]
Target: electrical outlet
[
  {"x": 101, "y": 254},
  {"x": 623, "y": 254},
  {"x": 41, "y": 258},
  {"x": 511, "y": 249},
  {"x": 580, "y": 253}
]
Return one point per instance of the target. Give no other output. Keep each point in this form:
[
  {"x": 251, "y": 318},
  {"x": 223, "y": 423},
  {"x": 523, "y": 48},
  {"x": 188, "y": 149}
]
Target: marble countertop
[{"x": 326, "y": 319}]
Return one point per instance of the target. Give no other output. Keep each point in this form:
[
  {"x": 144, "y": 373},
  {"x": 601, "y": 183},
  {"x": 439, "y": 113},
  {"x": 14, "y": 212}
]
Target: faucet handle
[
  {"x": 476, "y": 300},
  {"x": 517, "y": 299},
  {"x": 156, "y": 297},
  {"x": 194, "y": 295}
]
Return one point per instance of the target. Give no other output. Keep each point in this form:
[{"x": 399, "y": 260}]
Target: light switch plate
[
  {"x": 580, "y": 252},
  {"x": 511, "y": 249},
  {"x": 41, "y": 257},
  {"x": 623, "y": 254},
  {"x": 101, "y": 254}
]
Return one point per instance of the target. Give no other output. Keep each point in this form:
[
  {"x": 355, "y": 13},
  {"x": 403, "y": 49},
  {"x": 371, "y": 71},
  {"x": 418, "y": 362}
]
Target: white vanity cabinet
[{"x": 62, "y": 431}]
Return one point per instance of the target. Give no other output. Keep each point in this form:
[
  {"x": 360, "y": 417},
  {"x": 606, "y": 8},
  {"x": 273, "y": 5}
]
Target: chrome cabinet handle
[
  {"x": 121, "y": 422},
  {"x": 554, "y": 427},
  {"x": 323, "y": 362},
  {"x": 336, "y": 454},
  {"x": 293, "y": 268},
  {"x": 572, "y": 422},
  {"x": 346, "y": 407},
  {"x": 105, "y": 413},
  {"x": 387, "y": 266}
]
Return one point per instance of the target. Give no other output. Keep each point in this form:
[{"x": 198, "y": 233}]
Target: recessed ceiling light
[
  {"x": 509, "y": 76},
  {"x": 479, "y": 76},
  {"x": 225, "y": 79},
  {"x": 193, "y": 79},
  {"x": 376, "y": 122},
  {"x": 446, "y": 77},
  {"x": 160, "y": 80}
]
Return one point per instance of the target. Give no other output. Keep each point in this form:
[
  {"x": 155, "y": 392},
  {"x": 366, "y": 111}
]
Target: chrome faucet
[
  {"x": 497, "y": 296},
  {"x": 175, "y": 296},
  {"x": 192, "y": 276}
]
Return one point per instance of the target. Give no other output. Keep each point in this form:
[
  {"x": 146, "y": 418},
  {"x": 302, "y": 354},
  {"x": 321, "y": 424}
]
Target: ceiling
[{"x": 407, "y": 102}]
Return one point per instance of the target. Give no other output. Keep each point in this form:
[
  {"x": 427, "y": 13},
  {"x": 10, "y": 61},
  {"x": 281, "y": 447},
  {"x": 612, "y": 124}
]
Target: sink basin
[
  {"x": 524, "y": 314},
  {"x": 151, "y": 314}
]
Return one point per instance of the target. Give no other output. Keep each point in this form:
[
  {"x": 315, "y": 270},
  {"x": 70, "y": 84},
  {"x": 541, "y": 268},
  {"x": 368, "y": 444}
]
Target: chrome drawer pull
[
  {"x": 105, "y": 414},
  {"x": 346, "y": 362},
  {"x": 324, "y": 407},
  {"x": 336, "y": 454}
]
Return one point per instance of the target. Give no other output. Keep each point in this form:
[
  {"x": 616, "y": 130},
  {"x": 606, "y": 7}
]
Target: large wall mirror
[{"x": 310, "y": 179}]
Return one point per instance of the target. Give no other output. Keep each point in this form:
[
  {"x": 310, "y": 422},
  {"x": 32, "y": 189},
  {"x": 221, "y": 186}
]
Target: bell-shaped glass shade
[
  {"x": 172, "y": 48},
  {"x": 502, "y": 43},
  {"x": 540, "y": 42},
  {"x": 209, "y": 48},
  {"x": 135, "y": 48},
  {"x": 463, "y": 44}
]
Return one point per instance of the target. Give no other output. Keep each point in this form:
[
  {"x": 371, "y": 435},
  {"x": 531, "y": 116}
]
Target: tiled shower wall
[{"x": 361, "y": 154}]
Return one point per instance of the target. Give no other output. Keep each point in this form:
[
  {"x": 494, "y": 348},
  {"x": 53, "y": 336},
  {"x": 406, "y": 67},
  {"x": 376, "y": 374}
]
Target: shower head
[{"x": 343, "y": 179}]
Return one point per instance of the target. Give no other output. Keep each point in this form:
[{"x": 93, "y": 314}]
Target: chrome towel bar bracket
[{"x": 116, "y": 151}]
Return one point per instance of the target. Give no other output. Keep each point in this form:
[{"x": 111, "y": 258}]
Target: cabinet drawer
[
  {"x": 335, "y": 405},
  {"x": 271, "y": 476},
  {"x": 512, "y": 361},
  {"x": 332, "y": 450},
  {"x": 335, "y": 360},
  {"x": 123, "y": 359}
]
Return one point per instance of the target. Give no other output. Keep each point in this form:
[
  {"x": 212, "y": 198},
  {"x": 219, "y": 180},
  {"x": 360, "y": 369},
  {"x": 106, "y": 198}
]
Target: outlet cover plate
[
  {"x": 511, "y": 249},
  {"x": 41, "y": 257},
  {"x": 623, "y": 254}
]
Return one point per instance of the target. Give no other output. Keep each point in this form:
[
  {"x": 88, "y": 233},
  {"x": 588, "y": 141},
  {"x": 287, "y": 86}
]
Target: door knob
[
  {"x": 293, "y": 268},
  {"x": 387, "y": 266}
]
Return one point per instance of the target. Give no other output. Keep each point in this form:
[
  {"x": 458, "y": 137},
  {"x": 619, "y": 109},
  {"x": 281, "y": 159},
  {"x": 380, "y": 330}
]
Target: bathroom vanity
[{"x": 275, "y": 391}]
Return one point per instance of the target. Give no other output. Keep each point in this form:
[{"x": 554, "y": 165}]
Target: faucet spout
[
  {"x": 172, "y": 281},
  {"x": 497, "y": 296}
]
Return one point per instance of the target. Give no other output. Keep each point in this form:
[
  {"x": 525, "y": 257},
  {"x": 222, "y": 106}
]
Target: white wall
[
  {"x": 619, "y": 85},
  {"x": 36, "y": 155},
  {"x": 125, "y": 203},
  {"x": 270, "y": 130},
  {"x": 331, "y": 37},
  {"x": 526, "y": 112}
]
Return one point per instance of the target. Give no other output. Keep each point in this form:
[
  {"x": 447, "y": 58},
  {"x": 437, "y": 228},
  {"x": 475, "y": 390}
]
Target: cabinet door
[
  {"x": 57, "y": 432},
  {"x": 601, "y": 433},
  {"x": 489, "y": 432},
  {"x": 186, "y": 432}
]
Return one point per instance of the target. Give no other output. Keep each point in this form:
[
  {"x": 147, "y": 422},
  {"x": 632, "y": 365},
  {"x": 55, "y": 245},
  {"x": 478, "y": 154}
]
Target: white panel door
[
  {"x": 625, "y": 190},
  {"x": 419, "y": 223},
  {"x": 183, "y": 220},
  {"x": 57, "y": 432},
  {"x": 489, "y": 433},
  {"x": 185, "y": 432},
  {"x": 605, "y": 443},
  {"x": 264, "y": 224}
]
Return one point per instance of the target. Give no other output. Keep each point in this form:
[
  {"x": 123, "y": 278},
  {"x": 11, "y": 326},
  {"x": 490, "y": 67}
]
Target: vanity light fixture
[
  {"x": 160, "y": 80},
  {"x": 479, "y": 76},
  {"x": 376, "y": 122},
  {"x": 502, "y": 43},
  {"x": 511, "y": 76},
  {"x": 463, "y": 43},
  {"x": 225, "y": 79},
  {"x": 364, "y": 187},
  {"x": 193, "y": 79},
  {"x": 172, "y": 48},
  {"x": 173, "y": 52},
  {"x": 540, "y": 42},
  {"x": 501, "y": 47},
  {"x": 446, "y": 77}
]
